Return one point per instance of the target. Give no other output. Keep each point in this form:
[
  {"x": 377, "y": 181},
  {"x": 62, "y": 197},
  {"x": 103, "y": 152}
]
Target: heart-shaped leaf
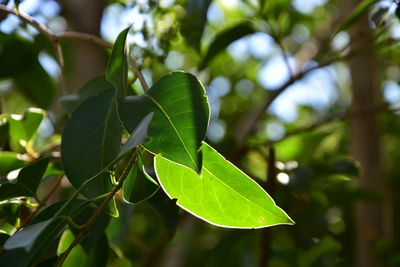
[
  {"x": 91, "y": 141},
  {"x": 139, "y": 186},
  {"x": 221, "y": 194},
  {"x": 117, "y": 69},
  {"x": 26, "y": 183},
  {"x": 181, "y": 115}
]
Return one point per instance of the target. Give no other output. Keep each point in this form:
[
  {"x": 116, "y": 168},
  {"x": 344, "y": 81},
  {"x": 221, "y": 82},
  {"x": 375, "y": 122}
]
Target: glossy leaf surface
[
  {"x": 117, "y": 69},
  {"x": 139, "y": 186},
  {"x": 91, "y": 141},
  {"x": 26, "y": 183},
  {"x": 181, "y": 115},
  {"x": 222, "y": 194}
]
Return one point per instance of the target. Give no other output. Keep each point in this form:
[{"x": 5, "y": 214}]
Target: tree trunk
[
  {"x": 87, "y": 59},
  {"x": 371, "y": 217}
]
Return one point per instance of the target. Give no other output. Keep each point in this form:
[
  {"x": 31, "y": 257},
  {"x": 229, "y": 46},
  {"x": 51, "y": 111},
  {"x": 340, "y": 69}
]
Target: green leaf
[
  {"x": 117, "y": 69},
  {"x": 181, "y": 115},
  {"x": 45, "y": 228},
  {"x": 90, "y": 142},
  {"x": 194, "y": 21},
  {"x": 4, "y": 128},
  {"x": 138, "y": 136},
  {"x": 356, "y": 14},
  {"x": 139, "y": 186},
  {"x": 9, "y": 161},
  {"x": 23, "y": 128},
  {"x": 78, "y": 257},
  {"x": 221, "y": 195},
  {"x": 92, "y": 87},
  {"x": 26, "y": 183},
  {"x": 224, "y": 39}
]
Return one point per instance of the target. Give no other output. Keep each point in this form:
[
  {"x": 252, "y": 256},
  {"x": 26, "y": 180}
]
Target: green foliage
[
  {"x": 123, "y": 170},
  {"x": 221, "y": 194},
  {"x": 117, "y": 70},
  {"x": 181, "y": 115}
]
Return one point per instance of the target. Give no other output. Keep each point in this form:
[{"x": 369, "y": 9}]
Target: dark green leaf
[
  {"x": 181, "y": 115},
  {"x": 117, "y": 69},
  {"x": 221, "y": 195},
  {"x": 44, "y": 229},
  {"x": 225, "y": 38},
  {"x": 19, "y": 61},
  {"x": 90, "y": 142},
  {"x": 192, "y": 25},
  {"x": 139, "y": 186},
  {"x": 26, "y": 183},
  {"x": 93, "y": 87}
]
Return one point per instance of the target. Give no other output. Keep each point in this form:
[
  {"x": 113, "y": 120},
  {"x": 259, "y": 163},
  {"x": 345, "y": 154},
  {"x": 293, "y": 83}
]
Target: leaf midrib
[
  {"x": 173, "y": 126},
  {"x": 237, "y": 193}
]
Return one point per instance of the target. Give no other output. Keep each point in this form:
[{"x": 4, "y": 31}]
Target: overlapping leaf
[
  {"x": 91, "y": 141},
  {"x": 221, "y": 194},
  {"x": 92, "y": 87},
  {"x": 26, "y": 183},
  {"x": 117, "y": 69},
  {"x": 139, "y": 186},
  {"x": 181, "y": 115}
]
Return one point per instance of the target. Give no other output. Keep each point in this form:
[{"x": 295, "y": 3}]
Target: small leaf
[
  {"x": 26, "y": 183},
  {"x": 139, "y": 186},
  {"x": 23, "y": 128},
  {"x": 181, "y": 115},
  {"x": 194, "y": 21},
  {"x": 117, "y": 69},
  {"x": 221, "y": 195},
  {"x": 138, "y": 136},
  {"x": 90, "y": 142},
  {"x": 225, "y": 38},
  {"x": 92, "y": 87},
  {"x": 9, "y": 161}
]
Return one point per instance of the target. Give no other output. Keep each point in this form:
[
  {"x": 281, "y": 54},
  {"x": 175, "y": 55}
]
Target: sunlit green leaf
[
  {"x": 181, "y": 115},
  {"x": 22, "y": 128},
  {"x": 117, "y": 69},
  {"x": 9, "y": 161},
  {"x": 221, "y": 194},
  {"x": 26, "y": 183}
]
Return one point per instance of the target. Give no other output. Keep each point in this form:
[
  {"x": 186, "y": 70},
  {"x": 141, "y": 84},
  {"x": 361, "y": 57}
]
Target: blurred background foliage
[{"x": 243, "y": 52}]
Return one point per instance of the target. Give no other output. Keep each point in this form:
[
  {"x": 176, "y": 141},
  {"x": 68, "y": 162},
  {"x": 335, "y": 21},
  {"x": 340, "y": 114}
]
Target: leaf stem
[
  {"x": 98, "y": 212},
  {"x": 138, "y": 72}
]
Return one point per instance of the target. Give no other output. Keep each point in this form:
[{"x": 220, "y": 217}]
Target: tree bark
[
  {"x": 88, "y": 59},
  {"x": 372, "y": 218}
]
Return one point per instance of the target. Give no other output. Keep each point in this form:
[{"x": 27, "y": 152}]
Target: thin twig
[
  {"x": 98, "y": 211},
  {"x": 138, "y": 73},
  {"x": 41, "y": 203}
]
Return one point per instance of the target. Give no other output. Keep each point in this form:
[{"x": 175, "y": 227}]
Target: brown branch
[
  {"x": 138, "y": 73},
  {"x": 98, "y": 212}
]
